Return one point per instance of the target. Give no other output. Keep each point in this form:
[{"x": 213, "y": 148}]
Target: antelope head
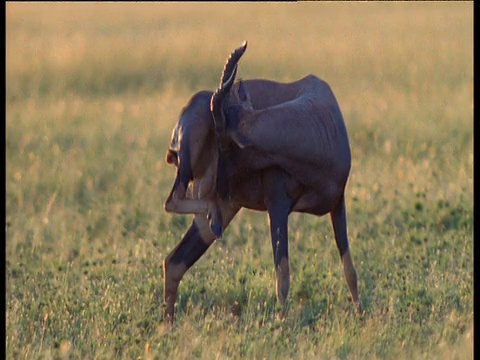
[{"x": 197, "y": 149}]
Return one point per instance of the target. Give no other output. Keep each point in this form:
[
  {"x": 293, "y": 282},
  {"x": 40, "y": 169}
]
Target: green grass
[{"x": 92, "y": 96}]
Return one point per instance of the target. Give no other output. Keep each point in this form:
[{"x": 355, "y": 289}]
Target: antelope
[{"x": 261, "y": 145}]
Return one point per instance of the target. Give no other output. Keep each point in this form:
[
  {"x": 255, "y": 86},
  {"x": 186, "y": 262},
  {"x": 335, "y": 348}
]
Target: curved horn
[
  {"x": 231, "y": 63},
  {"x": 226, "y": 82},
  {"x": 216, "y": 103}
]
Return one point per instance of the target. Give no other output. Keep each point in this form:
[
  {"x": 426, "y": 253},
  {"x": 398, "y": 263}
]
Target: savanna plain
[{"x": 92, "y": 94}]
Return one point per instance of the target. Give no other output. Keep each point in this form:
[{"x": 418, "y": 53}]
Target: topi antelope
[{"x": 262, "y": 145}]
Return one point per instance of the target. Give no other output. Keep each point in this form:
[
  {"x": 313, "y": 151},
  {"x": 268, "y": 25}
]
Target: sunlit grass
[{"x": 92, "y": 96}]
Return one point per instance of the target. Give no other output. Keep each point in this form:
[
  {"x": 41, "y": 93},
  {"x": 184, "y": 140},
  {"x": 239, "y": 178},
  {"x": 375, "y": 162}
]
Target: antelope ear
[
  {"x": 243, "y": 94},
  {"x": 171, "y": 157},
  {"x": 234, "y": 115}
]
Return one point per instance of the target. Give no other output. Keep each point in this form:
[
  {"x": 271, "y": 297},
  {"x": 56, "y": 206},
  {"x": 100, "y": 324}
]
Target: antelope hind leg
[
  {"x": 198, "y": 207},
  {"x": 339, "y": 222},
  {"x": 351, "y": 278}
]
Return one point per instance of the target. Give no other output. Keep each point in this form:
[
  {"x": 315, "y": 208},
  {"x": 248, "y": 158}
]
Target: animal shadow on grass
[{"x": 264, "y": 309}]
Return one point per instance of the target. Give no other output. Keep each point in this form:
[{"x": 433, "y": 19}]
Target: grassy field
[{"x": 92, "y": 94}]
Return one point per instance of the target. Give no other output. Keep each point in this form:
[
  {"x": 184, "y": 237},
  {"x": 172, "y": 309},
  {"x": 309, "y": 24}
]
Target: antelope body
[{"x": 262, "y": 145}]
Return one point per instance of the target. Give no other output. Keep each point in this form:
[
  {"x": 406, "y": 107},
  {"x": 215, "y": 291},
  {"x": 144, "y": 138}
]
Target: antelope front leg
[
  {"x": 193, "y": 245},
  {"x": 280, "y": 255},
  {"x": 279, "y": 205},
  {"x": 196, "y": 241}
]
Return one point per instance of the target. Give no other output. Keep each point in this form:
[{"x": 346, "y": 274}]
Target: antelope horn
[
  {"x": 216, "y": 104},
  {"x": 232, "y": 62},
  {"x": 226, "y": 82}
]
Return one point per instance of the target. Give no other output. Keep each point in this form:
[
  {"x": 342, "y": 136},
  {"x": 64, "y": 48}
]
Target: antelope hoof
[
  {"x": 169, "y": 310},
  {"x": 215, "y": 223},
  {"x": 359, "y": 309},
  {"x": 216, "y": 228},
  {"x": 168, "y": 317}
]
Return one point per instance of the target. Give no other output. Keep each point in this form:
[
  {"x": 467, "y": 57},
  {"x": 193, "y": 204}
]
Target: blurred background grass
[
  {"x": 94, "y": 49},
  {"x": 92, "y": 93}
]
